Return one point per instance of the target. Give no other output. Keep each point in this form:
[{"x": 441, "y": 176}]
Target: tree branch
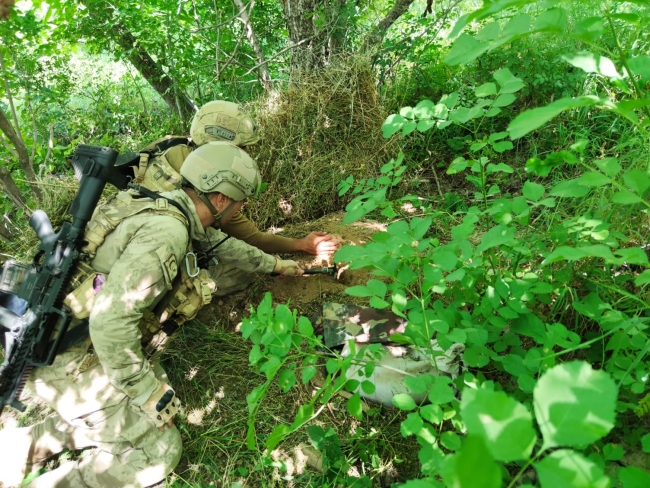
[
  {"x": 376, "y": 36},
  {"x": 265, "y": 76}
]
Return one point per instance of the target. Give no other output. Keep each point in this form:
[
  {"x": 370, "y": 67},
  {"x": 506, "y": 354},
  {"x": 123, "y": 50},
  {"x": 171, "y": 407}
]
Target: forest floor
[{"x": 209, "y": 365}]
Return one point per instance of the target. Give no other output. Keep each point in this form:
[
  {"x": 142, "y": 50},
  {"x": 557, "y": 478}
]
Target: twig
[
  {"x": 277, "y": 54},
  {"x": 6, "y": 144},
  {"x": 50, "y": 144},
  {"x": 8, "y": 92},
  {"x": 192, "y": 31}
]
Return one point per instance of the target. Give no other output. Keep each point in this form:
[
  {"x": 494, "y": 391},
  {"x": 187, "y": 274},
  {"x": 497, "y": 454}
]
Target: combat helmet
[
  {"x": 221, "y": 167},
  {"x": 223, "y": 121}
]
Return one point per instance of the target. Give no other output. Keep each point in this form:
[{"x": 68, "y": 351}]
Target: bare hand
[
  {"x": 320, "y": 243},
  {"x": 5, "y": 8}
]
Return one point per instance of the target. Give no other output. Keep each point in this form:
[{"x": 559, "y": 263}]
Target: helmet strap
[{"x": 206, "y": 201}]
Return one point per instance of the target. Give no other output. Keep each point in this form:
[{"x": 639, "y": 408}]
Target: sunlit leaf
[
  {"x": 535, "y": 118},
  {"x": 533, "y": 191},
  {"x": 568, "y": 469},
  {"x": 485, "y": 90},
  {"x": 504, "y": 424},
  {"x": 411, "y": 425},
  {"x": 392, "y": 124},
  {"x": 473, "y": 462},
  {"x": 593, "y": 178},
  {"x": 574, "y": 404},
  {"x": 464, "y": 50},
  {"x": 404, "y": 401},
  {"x": 592, "y": 63}
]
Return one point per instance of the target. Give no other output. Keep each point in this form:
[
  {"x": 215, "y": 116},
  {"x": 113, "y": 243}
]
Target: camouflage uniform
[{"x": 97, "y": 389}]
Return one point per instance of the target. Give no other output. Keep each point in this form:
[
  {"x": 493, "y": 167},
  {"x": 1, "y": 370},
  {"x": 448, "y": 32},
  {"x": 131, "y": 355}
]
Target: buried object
[{"x": 342, "y": 323}]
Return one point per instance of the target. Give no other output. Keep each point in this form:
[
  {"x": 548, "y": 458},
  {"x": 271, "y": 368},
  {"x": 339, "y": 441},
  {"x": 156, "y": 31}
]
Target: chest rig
[{"x": 190, "y": 290}]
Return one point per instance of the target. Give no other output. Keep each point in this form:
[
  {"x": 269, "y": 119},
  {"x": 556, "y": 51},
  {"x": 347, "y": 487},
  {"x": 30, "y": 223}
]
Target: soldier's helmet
[
  {"x": 219, "y": 166},
  {"x": 223, "y": 121}
]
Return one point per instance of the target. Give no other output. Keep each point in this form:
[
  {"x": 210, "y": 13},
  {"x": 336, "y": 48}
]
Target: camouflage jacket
[{"x": 141, "y": 257}]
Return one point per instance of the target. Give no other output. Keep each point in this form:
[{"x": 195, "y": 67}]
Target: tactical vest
[
  {"x": 191, "y": 289},
  {"x": 157, "y": 167}
]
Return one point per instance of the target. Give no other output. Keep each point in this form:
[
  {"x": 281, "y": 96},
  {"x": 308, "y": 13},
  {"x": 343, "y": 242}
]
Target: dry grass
[{"x": 315, "y": 132}]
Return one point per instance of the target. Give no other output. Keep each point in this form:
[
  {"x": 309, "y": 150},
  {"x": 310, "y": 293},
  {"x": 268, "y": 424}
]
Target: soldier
[
  {"x": 159, "y": 167},
  {"x": 104, "y": 390}
]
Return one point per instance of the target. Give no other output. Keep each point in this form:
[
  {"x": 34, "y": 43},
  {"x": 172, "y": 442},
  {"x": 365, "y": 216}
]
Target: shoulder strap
[{"x": 155, "y": 196}]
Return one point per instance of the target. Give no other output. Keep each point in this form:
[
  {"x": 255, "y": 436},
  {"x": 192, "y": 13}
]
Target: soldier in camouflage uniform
[
  {"x": 106, "y": 393},
  {"x": 226, "y": 121}
]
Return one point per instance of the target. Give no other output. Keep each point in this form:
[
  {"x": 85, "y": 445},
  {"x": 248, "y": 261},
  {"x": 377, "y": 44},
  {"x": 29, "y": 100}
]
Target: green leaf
[
  {"x": 404, "y": 401},
  {"x": 408, "y": 128},
  {"x": 637, "y": 180},
  {"x": 609, "y": 166},
  {"x": 377, "y": 287},
  {"x": 593, "y": 178},
  {"x": 286, "y": 379},
  {"x": 477, "y": 146},
  {"x": 376, "y": 302},
  {"x": 643, "y": 279},
  {"x": 569, "y": 189},
  {"x": 551, "y": 20},
  {"x": 568, "y": 469},
  {"x": 633, "y": 477},
  {"x": 625, "y": 197},
  {"x": 358, "y": 291},
  {"x": 613, "y": 452},
  {"x": 504, "y": 100},
  {"x": 411, "y": 425},
  {"x": 457, "y": 165},
  {"x": 278, "y": 434},
  {"x": 308, "y": 372},
  {"x": 305, "y": 413},
  {"x": 368, "y": 387},
  {"x": 537, "y": 117},
  {"x": 485, "y": 90},
  {"x": 305, "y": 327},
  {"x": 574, "y": 404},
  {"x": 471, "y": 467},
  {"x": 497, "y": 236},
  {"x": 450, "y": 440},
  {"x": 464, "y": 50},
  {"x": 354, "y": 406},
  {"x": 441, "y": 392},
  {"x": 493, "y": 112},
  {"x": 593, "y": 63},
  {"x": 640, "y": 66},
  {"x": 533, "y": 191},
  {"x": 423, "y": 110},
  {"x": 504, "y": 424},
  {"x": 502, "y": 146},
  {"x": 392, "y": 124},
  {"x": 432, "y": 413}
]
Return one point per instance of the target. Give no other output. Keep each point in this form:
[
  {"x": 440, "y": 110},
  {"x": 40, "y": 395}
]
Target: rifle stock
[{"x": 33, "y": 339}]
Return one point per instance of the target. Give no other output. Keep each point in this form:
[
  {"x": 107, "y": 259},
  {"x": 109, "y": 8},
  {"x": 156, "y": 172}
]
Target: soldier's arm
[
  {"x": 144, "y": 271},
  {"x": 239, "y": 253},
  {"x": 245, "y": 230}
]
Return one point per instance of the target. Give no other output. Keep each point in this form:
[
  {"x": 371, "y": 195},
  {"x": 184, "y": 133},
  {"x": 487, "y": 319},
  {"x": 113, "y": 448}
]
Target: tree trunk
[
  {"x": 151, "y": 72},
  {"x": 8, "y": 185},
  {"x": 264, "y": 74},
  {"x": 376, "y": 36},
  {"x": 5, "y": 234},
  {"x": 299, "y": 15},
  {"x": 141, "y": 59},
  {"x": 21, "y": 151}
]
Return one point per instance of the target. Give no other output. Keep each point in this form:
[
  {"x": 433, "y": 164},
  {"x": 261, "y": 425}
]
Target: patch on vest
[{"x": 217, "y": 131}]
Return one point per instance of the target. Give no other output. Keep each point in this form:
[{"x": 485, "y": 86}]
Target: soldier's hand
[
  {"x": 318, "y": 243},
  {"x": 162, "y": 406},
  {"x": 5, "y": 8},
  {"x": 287, "y": 267}
]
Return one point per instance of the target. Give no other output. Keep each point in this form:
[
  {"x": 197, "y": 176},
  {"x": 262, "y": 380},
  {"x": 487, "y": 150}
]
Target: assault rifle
[{"x": 33, "y": 319}]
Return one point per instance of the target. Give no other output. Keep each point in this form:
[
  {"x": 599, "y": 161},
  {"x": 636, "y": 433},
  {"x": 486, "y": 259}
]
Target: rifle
[{"x": 33, "y": 319}]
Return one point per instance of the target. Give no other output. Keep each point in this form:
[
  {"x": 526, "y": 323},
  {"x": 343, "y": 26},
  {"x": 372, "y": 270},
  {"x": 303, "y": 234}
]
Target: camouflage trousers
[
  {"x": 128, "y": 450},
  {"x": 229, "y": 279}
]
